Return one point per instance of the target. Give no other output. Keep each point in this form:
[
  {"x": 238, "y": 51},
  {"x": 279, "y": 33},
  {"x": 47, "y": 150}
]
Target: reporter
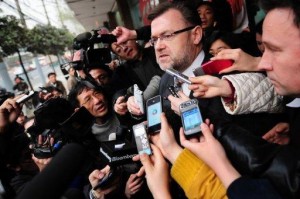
[
  {"x": 16, "y": 164},
  {"x": 157, "y": 174}
]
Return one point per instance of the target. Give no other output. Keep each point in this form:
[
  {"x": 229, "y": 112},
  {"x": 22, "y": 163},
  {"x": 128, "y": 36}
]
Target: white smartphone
[
  {"x": 25, "y": 97},
  {"x": 141, "y": 139},
  {"x": 138, "y": 96},
  {"x": 154, "y": 109}
]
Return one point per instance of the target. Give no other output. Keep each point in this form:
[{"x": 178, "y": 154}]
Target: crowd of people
[{"x": 249, "y": 141}]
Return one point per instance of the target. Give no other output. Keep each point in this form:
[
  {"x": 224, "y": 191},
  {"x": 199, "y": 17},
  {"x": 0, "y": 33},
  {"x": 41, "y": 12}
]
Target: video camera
[
  {"x": 87, "y": 43},
  {"x": 91, "y": 54},
  {"x": 55, "y": 119}
]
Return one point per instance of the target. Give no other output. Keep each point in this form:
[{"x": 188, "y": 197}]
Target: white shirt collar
[
  {"x": 295, "y": 103},
  {"x": 189, "y": 71}
]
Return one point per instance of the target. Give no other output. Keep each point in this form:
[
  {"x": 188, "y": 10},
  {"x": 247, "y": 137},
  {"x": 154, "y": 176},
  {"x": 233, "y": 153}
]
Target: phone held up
[
  {"x": 108, "y": 180},
  {"x": 138, "y": 96},
  {"x": 191, "y": 117},
  {"x": 141, "y": 139},
  {"x": 154, "y": 109},
  {"x": 183, "y": 78},
  {"x": 212, "y": 67},
  {"x": 25, "y": 97}
]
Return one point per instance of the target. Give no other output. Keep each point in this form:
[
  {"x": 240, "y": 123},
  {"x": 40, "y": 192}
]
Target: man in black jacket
[{"x": 251, "y": 155}]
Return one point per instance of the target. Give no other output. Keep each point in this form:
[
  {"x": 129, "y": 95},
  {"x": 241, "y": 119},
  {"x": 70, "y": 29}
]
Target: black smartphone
[
  {"x": 191, "y": 117},
  {"x": 154, "y": 109},
  {"x": 25, "y": 97},
  {"x": 108, "y": 179},
  {"x": 172, "y": 91}
]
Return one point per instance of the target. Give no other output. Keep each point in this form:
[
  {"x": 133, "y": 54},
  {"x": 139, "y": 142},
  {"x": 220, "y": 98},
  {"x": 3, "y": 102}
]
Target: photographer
[{"x": 16, "y": 164}]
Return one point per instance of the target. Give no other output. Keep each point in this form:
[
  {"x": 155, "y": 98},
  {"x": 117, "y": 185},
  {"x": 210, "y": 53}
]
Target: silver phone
[
  {"x": 25, "y": 97},
  {"x": 191, "y": 117},
  {"x": 141, "y": 139},
  {"x": 179, "y": 75}
]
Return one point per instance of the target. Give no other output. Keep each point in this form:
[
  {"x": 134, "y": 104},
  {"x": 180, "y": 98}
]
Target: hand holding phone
[
  {"x": 154, "y": 110},
  {"x": 25, "y": 97},
  {"x": 108, "y": 180},
  {"x": 212, "y": 67}
]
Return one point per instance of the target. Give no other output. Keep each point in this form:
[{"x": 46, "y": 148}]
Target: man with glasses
[
  {"x": 176, "y": 35},
  {"x": 95, "y": 100}
]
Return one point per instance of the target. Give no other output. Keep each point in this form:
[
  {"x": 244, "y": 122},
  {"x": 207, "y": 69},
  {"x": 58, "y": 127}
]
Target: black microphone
[{"x": 54, "y": 180}]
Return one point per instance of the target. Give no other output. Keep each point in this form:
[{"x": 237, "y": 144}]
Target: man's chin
[{"x": 165, "y": 66}]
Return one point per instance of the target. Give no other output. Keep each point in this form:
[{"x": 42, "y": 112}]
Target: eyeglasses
[{"x": 168, "y": 37}]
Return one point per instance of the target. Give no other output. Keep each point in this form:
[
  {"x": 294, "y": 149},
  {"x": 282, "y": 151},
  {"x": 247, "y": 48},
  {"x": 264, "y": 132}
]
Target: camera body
[
  {"x": 56, "y": 119},
  {"x": 88, "y": 43}
]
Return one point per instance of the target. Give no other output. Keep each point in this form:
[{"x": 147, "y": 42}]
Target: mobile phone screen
[
  {"x": 191, "y": 119},
  {"x": 154, "y": 112},
  {"x": 141, "y": 140}
]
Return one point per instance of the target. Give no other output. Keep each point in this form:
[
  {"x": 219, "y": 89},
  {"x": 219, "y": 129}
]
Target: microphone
[{"x": 54, "y": 180}]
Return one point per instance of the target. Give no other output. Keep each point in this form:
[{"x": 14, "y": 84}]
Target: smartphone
[
  {"x": 179, "y": 75},
  {"x": 212, "y": 67},
  {"x": 154, "y": 109},
  {"x": 173, "y": 91},
  {"x": 141, "y": 139},
  {"x": 108, "y": 179},
  {"x": 25, "y": 97},
  {"x": 191, "y": 117},
  {"x": 138, "y": 96}
]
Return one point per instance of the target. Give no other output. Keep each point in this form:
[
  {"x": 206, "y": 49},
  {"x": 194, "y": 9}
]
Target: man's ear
[{"x": 197, "y": 34}]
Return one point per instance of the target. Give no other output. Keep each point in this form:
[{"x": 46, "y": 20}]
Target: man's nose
[{"x": 159, "y": 44}]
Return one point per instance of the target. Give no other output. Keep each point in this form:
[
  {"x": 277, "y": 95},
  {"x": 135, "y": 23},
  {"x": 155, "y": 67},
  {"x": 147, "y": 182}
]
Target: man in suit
[{"x": 177, "y": 45}]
